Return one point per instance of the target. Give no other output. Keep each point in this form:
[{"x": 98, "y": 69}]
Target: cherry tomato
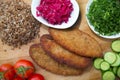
[
  {"x": 36, "y": 76},
  {"x": 18, "y": 78},
  {"x": 24, "y": 68},
  {"x": 6, "y": 72}
]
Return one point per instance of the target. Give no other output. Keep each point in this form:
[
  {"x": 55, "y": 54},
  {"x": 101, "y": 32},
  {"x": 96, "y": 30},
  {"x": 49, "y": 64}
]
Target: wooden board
[{"x": 8, "y": 55}]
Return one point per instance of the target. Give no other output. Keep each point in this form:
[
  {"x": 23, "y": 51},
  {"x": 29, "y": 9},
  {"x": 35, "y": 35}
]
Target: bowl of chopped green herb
[{"x": 103, "y": 17}]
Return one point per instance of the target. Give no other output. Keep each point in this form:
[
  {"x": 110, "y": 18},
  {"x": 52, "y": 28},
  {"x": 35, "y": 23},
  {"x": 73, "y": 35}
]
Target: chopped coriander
[{"x": 104, "y": 15}]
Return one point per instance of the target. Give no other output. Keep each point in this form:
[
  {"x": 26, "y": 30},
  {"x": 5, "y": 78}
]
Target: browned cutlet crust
[
  {"x": 77, "y": 41},
  {"x": 44, "y": 61},
  {"x": 62, "y": 55}
]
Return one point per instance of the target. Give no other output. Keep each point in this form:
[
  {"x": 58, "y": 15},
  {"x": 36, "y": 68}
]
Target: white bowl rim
[
  {"x": 71, "y": 21},
  {"x": 92, "y": 28}
]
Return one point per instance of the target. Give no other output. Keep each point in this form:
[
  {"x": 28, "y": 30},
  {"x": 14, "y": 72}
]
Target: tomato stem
[
  {"x": 1, "y": 75},
  {"x": 21, "y": 70}
]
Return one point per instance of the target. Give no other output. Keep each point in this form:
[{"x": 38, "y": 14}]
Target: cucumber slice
[
  {"x": 117, "y": 62},
  {"x": 115, "y": 70},
  {"x": 119, "y": 54},
  {"x": 118, "y": 72},
  {"x": 97, "y": 62},
  {"x": 110, "y": 57},
  {"x": 116, "y": 45},
  {"x": 105, "y": 66},
  {"x": 108, "y": 75}
]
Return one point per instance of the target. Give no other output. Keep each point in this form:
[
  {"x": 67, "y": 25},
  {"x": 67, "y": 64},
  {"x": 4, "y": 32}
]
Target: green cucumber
[
  {"x": 97, "y": 62},
  {"x": 118, "y": 72},
  {"x": 116, "y": 45},
  {"x": 108, "y": 75},
  {"x": 110, "y": 63},
  {"x": 104, "y": 66},
  {"x": 117, "y": 62},
  {"x": 119, "y": 54},
  {"x": 110, "y": 57},
  {"x": 115, "y": 70}
]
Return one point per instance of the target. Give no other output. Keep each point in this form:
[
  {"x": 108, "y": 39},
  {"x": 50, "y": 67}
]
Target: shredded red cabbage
[{"x": 55, "y": 11}]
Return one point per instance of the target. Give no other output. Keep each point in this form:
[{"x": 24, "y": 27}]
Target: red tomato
[
  {"x": 18, "y": 78},
  {"x": 36, "y": 76},
  {"x": 7, "y": 72},
  {"x": 24, "y": 68}
]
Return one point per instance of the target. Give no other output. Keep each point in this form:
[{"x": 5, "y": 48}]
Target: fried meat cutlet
[
  {"x": 62, "y": 55},
  {"x": 46, "y": 62},
  {"x": 77, "y": 41}
]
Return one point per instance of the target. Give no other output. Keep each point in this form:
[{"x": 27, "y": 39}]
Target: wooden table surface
[{"x": 8, "y": 55}]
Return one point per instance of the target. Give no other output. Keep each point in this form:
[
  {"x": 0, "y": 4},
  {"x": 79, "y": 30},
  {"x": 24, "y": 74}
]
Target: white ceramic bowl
[
  {"x": 71, "y": 21},
  {"x": 92, "y": 27}
]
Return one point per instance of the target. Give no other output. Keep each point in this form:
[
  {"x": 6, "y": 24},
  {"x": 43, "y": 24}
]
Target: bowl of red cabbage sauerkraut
[{"x": 60, "y": 14}]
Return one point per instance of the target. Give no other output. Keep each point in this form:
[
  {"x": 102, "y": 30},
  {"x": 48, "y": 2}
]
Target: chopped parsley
[{"x": 104, "y": 15}]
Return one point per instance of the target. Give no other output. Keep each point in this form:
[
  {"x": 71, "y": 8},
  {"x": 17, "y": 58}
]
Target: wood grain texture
[{"x": 7, "y": 55}]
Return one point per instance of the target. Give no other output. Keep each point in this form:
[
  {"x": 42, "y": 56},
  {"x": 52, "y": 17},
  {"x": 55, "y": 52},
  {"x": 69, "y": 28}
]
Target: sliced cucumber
[
  {"x": 110, "y": 57},
  {"x": 116, "y": 45},
  {"x": 115, "y": 70},
  {"x": 108, "y": 75},
  {"x": 118, "y": 72},
  {"x": 117, "y": 62},
  {"x": 97, "y": 62},
  {"x": 119, "y": 54},
  {"x": 104, "y": 66}
]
